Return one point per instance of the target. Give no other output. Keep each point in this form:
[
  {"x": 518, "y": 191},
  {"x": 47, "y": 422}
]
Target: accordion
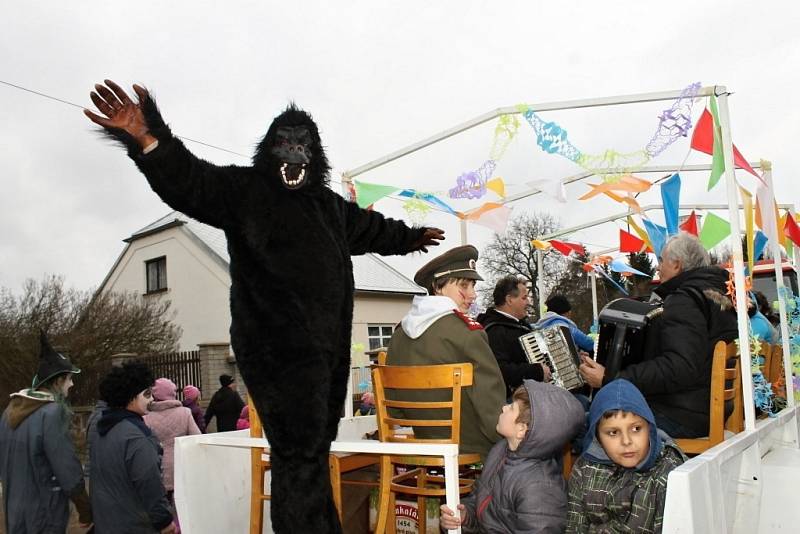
[
  {"x": 626, "y": 333},
  {"x": 554, "y": 347}
]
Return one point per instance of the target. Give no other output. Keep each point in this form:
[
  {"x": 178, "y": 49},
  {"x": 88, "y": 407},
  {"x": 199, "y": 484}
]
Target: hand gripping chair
[
  {"x": 388, "y": 381},
  {"x": 726, "y": 385}
]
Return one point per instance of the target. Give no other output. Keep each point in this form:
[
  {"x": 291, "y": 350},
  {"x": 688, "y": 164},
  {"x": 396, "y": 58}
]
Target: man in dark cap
[
  {"x": 226, "y": 404},
  {"x": 559, "y": 312},
  {"x": 39, "y": 468},
  {"x": 504, "y": 324},
  {"x": 437, "y": 330}
]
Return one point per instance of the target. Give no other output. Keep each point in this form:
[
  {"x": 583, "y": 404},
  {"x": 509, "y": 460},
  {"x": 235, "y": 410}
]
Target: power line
[{"x": 37, "y": 93}]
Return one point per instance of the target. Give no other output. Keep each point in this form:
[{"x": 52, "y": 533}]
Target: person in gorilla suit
[{"x": 290, "y": 239}]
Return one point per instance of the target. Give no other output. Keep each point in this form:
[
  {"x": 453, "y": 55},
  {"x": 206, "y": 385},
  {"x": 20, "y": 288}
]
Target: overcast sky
[{"x": 376, "y": 76}]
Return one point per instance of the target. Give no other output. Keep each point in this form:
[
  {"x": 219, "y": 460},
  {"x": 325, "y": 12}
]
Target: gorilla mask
[{"x": 291, "y": 150}]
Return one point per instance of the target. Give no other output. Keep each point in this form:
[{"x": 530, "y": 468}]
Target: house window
[
  {"x": 378, "y": 335},
  {"x": 156, "y": 272}
]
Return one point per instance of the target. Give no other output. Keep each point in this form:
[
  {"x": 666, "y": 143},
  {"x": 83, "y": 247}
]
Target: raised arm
[
  {"x": 370, "y": 231},
  {"x": 207, "y": 192}
]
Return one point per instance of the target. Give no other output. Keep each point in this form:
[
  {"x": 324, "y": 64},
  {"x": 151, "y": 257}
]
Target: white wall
[
  {"x": 377, "y": 308},
  {"x": 198, "y": 285}
]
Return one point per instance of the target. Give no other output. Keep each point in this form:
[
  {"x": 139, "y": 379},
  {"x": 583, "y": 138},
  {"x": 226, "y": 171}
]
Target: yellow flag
[
  {"x": 747, "y": 203},
  {"x": 541, "y": 245},
  {"x": 498, "y": 186},
  {"x": 640, "y": 232}
]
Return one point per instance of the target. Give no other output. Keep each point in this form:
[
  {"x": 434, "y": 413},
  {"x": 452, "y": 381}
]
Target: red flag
[
  {"x": 791, "y": 230},
  {"x": 703, "y": 141},
  {"x": 690, "y": 224},
  {"x": 629, "y": 242},
  {"x": 565, "y": 248}
]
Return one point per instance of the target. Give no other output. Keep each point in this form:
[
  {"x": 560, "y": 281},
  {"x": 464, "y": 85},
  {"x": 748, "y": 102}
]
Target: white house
[{"x": 179, "y": 258}]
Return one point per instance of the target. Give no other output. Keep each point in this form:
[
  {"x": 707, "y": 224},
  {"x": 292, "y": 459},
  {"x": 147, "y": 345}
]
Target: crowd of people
[
  {"x": 624, "y": 435},
  {"x": 130, "y": 438}
]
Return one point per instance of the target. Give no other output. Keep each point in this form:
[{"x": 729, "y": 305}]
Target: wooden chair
[
  {"x": 258, "y": 471},
  {"x": 726, "y": 385},
  {"x": 766, "y": 353},
  {"x": 416, "y": 378},
  {"x": 774, "y": 372}
]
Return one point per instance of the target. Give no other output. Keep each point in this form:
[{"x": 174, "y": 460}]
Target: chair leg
[
  {"x": 336, "y": 483},
  {"x": 384, "y": 495},
  {"x": 256, "y": 490},
  {"x": 421, "y": 511},
  {"x": 391, "y": 527}
]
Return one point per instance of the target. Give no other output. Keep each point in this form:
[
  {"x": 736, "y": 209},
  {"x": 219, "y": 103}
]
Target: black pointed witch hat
[{"x": 51, "y": 363}]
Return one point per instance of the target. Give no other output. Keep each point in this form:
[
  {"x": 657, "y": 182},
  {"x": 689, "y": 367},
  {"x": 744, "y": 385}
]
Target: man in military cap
[
  {"x": 437, "y": 330},
  {"x": 39, "y": 468}
]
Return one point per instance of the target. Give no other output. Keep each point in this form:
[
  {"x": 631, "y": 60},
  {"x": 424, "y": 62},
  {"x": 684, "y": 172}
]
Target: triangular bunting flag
[
  {"x": 670, "y": 197},
  {"x": 703, "y": 141},
  {"x": 367, "y": 194},
  {"x": 540, "y": 245},
  {"x": 619, "y": 266},
  {"x": 498, "y": 186},
  {"x": 630, "y": 243},
  {"x": 715, "y": 229},
  {"x": 565, "y": 248},
  {"x": 690, "y": 224},
  {"x": 641, "y": 233},
  {"x": 658, "y": 235},
  {"x": 791, "y": 229},
  {"x": 759, "y": 244}
]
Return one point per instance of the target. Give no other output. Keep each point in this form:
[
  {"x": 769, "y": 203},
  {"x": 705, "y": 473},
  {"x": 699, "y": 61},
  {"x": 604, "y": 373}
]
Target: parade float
[{"x": 743, "y": 484}]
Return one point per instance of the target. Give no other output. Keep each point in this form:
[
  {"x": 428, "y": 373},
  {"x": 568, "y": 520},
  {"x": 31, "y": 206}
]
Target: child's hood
[
  {"x": 557, "y": 417},
  {"x": 621, "y": 395}
]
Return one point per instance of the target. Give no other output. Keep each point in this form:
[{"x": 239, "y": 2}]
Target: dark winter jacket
[
  {"x": 524, "y": 490},
  {"x": 91, "y": 430},
  {"x": 39, "y": 468},
  {"x": 226, "y": 405},
  {"x": 606, "y": 497},
  {"x": 127, "y": 494},
  {"x": 675, "y": 378},
  {"x": 197, "y": 414},
  {"x": 504, "y": 333}
]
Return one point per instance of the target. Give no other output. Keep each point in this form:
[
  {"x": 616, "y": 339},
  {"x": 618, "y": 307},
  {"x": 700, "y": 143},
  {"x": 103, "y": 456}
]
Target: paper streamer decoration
[
  {"x": 670, "y": 196},
  {"x": 504, "y": 132},
  {"x": 715, "y": 229},
  {"x": 619, "y": 266},
  {"x": 417, "y": 210},
  {"x": 658, "y": 235},
  {"x": 641, "y": 233},
  {"x": 674, "y": 122},
  {"x": 791, "y": 229},
  {"x": 690, "y": 224},
  {"x": 630, "y": 243},
  {"x": 430, "y": 198},
  {"x": 473, "y": 184},
  {"x": 759, "y": 244},
  {"x": 367, "y": 194}
]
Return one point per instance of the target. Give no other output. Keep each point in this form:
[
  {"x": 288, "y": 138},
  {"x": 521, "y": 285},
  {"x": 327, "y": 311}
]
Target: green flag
[
  {"x": 715, "y": 229},
  {"x": 367, "y": 194},
  {"x": 718, "y": 160}
]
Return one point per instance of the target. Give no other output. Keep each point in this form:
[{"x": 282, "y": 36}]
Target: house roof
[{"x": 369, "y": 271}]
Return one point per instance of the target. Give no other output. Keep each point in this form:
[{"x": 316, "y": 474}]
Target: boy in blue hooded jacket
[{"x": 619, "y": 484}]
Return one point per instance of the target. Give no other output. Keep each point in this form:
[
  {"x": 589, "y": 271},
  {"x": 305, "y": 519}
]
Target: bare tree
[
  {"x": 88, "y": 327},
  {"x": 513, "y": 253}
]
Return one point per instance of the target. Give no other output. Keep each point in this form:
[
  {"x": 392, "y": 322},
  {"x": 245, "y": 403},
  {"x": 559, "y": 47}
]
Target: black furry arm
[
  {"x": 204, "y": 191},
  {"x": 370, "y": 231}
]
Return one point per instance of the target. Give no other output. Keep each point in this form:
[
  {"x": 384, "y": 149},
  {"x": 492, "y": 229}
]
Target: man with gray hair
[{"x": 675, "y": 377}]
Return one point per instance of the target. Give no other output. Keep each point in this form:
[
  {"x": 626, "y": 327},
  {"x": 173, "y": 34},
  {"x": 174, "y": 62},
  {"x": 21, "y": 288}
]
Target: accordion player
[
  {"x": 553, "y": 346},
  {"x": 626, "y": 333}
]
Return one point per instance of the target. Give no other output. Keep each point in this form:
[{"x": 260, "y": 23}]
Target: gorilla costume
[{"x": 290, "y": 239}]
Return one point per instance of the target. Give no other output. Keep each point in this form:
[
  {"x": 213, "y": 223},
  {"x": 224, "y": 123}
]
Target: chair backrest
[
  {"x": 256, "y": 427},
  {"x": 398, "y": 409},
  {"x": 774, "y": 371}
]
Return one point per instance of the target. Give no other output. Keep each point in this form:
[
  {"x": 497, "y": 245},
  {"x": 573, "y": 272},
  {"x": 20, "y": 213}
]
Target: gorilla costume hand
[{"x": 430, "y": 238}]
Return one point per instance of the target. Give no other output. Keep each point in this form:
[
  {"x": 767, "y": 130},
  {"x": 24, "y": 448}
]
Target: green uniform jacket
[{"x": 450, "y": 340}]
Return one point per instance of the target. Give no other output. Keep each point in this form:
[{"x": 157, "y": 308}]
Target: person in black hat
[
  {"x": 126, "y": 488},
  {"x": 226, "y": 405},
  {"x": 39, "y": 468},
  {"x": 559, "y": 312},
  {"x": 437, "y": 330}
]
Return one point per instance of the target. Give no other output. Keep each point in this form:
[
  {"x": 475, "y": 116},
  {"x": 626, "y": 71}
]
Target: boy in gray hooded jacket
[{"x": 522, "y": 488}]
